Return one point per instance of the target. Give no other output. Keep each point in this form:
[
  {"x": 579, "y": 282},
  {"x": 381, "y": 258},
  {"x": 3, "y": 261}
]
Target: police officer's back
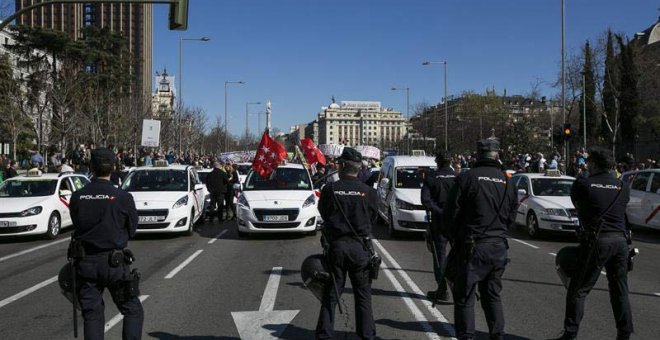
[
  {"x": 344, "y": 204},
  {"x": 216, "y": 182},
  {"x": 104, "y": 219},
  {"x": 480, "y": 209},
  {"x": 600, "y": 200}
]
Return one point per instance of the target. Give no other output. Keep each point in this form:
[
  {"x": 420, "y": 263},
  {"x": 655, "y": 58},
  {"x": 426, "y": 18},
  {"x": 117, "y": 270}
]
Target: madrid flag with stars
[
  {"x": 269, "y": 156},
  {"x": 312, "y": 153}
]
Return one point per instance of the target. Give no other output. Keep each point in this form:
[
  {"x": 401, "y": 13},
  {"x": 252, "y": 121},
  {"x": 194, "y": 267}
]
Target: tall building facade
[{"x": 133, "y": 21}]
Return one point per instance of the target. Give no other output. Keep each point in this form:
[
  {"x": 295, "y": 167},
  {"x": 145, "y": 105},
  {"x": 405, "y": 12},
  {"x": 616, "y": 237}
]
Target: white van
[{"x": 399, "y": 190}]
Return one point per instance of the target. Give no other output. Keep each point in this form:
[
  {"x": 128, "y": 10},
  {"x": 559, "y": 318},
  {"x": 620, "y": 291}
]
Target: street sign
[{"x": 150, "y": 133}]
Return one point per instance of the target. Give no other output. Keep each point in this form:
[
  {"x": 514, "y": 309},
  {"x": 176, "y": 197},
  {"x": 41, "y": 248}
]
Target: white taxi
[
  {"x": 286, "y": 202},
  {"x": 545, "y": 202},
  {"x": 168, "y": 198},
  {"x": 644, "y": 206},
  {"x": 37, "y": 203}
]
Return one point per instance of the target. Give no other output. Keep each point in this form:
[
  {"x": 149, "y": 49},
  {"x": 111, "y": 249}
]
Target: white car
[
  {"x": 644, "y": 206},
  {"x": 243, "y": 171},
  {"x": 168, "y": 198},
  {"x": 286, "y": 202},
  {"x": 201, "y": 175},
  {"x": 545, "y": 203},
  {"x": 37, "y": 203}
]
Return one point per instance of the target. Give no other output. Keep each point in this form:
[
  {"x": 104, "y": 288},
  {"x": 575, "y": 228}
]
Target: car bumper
[
  {"x": 31, "y": 225},
  {"x": 409, "y": 220},
  {"x": 177, "y": 221},
  {"x": 558, "y": 223},
  {"x": 247, "y": 222}
]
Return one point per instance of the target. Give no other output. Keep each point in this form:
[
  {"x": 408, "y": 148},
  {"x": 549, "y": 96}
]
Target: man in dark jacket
[
  {"x": 216, "y": 183},
  {"x": 480, "y": 209}
]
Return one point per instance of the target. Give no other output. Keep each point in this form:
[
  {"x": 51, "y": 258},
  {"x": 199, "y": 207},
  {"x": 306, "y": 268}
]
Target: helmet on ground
[
  {"x": 65, "y": 280},
  {"x": 315, "y": 275},
  {"x": 567, "y": 264}
]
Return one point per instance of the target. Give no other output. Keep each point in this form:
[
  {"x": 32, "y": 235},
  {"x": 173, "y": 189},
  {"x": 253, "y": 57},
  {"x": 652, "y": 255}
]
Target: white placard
[
  {"x": 150, "y": 133},
  {"x": 368, "y": 151},
  {"x": 5, "y": 148}
]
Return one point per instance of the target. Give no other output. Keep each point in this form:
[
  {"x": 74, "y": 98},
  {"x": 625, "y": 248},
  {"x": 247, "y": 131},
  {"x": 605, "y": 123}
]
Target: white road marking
[
  {"x": 115, "y": 320},
  {"x": 429, "y": 306},
  {"x": 217, "y": 237},
  {"x": 270, "y": 293},
  {"x": 183, "y": 264},
  {"x": 603, "y": 272},
  {"x": 656, "y": 294},
  {"x": 525, "y": 243},
  {"x": 26, "y": 251},
  {"x": 553, "y": 254},
  {"x": 27, "y": 291}
]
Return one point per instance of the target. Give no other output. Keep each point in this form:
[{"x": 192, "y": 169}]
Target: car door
[
  {"x": 638, "y": 187},
  {"x": 384, "y": 190},
  {"x": 198, "y": 194},
  {"x": 651, "y": 202},
  {"x": 523, "y": 199},
  {"x": 66, "y": 188}
]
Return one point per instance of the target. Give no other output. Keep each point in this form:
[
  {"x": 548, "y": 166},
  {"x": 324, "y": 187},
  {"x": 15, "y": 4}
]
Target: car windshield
[
  {"x": 244, "y": 169},
  {"x": 280, "y": 179},
  {"x": 156, "y": 180},
  {"x": 28, "y": 188},
  {"x": 551, "y": 186},
  {"x": 412, "y": 177}
]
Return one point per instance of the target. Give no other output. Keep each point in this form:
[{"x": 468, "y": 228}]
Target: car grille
[
  {"x": 14, "y": 214},
  {"x": 287, "y": 225},
  {"x": 260, "y": 213},
  {"x": 573, "y": 212},
  {"x": 418, "y": 207},
  {"x": 19, "y": 229},
  {"x": 154, "y": 212},
  {"x": 153, "y": 226},
  {"x": 413, "y": 225},
  {"x": 568, "y": 227}
]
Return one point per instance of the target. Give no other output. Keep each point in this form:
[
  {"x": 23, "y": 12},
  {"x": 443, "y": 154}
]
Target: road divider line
[
  {"x": 218, "y": 236},
  {"x": 553, "y": 254},
  {"x": 27, "y": 251},
  {"x": 429, "y": 306},
  {"x": 602, "y": 272},
  {"x": 656, "y": 294},
  {"x": 525, "y": 243},
  {"x": 183, "y": 264},
  {"x": 115, "y": 320},
  {"x": 270, "y": 292},
  {"x": 27, "y": 291}
]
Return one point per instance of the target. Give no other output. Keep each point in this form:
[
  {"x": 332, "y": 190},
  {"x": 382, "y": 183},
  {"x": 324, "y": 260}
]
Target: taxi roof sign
[
  {"x": 553, "y": 173},
  {"x": 34, "y": 172},
  {"x": 160, "y": 163}
]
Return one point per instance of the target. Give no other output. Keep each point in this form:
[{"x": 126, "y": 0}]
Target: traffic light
[
  {"x": 567, "y": 131},
  {"x": 179, "y": 15}
]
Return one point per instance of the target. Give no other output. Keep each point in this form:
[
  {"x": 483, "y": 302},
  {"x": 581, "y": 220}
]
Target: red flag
[
  {"x": 312, "y": 153},
  {"x": 269, "y": 156}
]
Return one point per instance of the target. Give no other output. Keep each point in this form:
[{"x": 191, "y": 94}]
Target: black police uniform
[
  {"x": 480, "y": 209},
  {"x": 592, "y": 195},
  {"x": 435, "y": 191},
  {"x": 104, "y": 218},
  {"x": 216, "y": 183},
  {"x": 347, "y": 254}
]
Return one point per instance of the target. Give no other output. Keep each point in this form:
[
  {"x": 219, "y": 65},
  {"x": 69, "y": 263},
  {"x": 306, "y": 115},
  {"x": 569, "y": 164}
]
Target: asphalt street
[{"x": 213, "y": 285}]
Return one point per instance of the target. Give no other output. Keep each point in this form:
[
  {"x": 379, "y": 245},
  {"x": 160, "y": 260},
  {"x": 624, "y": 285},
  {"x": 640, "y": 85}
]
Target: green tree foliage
[
  {"x": 610, "y": 79},
  {"x": 15, "y": 127},
  {"x": 588, "y": 105},
  {"x": 629, "y": 102}
]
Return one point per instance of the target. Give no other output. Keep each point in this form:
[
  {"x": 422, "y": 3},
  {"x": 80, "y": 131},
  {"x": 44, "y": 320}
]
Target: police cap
[
  {"x": 442, "y": 155},
  {"x": 102, "y": 156},
  {"x": 600, "y": 155},
  {"x": 488, "y": 145},
  {"x": 350, "y": 154}
]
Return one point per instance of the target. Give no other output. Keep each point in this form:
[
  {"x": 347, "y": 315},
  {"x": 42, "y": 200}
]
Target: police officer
[
  {"x": 349, "y": 208},
  {"x": 434, "y": 195},
  {"x": 600, "y": 200},
  {"x": 216, "y": 183},
  {"x": 481, "y": 207},
  {"x": 104, "y": 218}
]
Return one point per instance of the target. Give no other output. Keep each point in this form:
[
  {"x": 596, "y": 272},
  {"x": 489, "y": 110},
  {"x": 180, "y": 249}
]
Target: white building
[
  {"x": 163, "y": 101},
  {"x": 359, "y": 123}
]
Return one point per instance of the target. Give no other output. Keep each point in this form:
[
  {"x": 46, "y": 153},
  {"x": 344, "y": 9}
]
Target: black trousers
[
  {"x": 612, "y": 253},
  {"x": 95, "y": 275},
  {"x": 348, "y": 256},
  {"x": 439, "y": 258},
  {"x": 217, "y": 203},
  {"x": 229, "y": 204},
  {"x": 483, "y": 271}
]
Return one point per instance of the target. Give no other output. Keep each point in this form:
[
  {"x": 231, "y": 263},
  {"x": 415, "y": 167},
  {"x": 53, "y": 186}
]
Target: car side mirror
[
  {"x": 66, "y": 192},
  {"x": 199, "y": 187},
  {"x": 522, "y": 192},
  {"x": 385, "y": 183}
]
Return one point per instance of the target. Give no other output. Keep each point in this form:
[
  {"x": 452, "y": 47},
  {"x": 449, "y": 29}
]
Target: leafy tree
[
  {"x": 610, "y": 80},
  {"x": 629, "y": 103},
  {"x": 589, "y": 92}
]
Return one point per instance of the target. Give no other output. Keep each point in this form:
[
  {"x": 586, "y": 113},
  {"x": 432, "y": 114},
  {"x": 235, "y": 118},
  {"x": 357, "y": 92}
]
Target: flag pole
[{"x": 268, "y": 112}]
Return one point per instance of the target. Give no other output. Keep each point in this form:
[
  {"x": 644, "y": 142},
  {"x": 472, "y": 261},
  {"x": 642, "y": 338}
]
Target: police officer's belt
[{"x": 489, "y": 239}]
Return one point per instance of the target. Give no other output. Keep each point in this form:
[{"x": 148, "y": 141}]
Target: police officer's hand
[{"x": 129, "y": 257}]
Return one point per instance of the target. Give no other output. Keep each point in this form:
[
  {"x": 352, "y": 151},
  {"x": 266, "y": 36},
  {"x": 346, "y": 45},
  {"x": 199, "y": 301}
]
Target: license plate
[
  {"x": 7, "y": 224},
  {"x": 276, "y": 218},
  {"x": 147, "y": 219}
]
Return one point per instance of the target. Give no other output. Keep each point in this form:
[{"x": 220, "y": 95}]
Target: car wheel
[
  {"x": 533, "y": 225},
  {"x": 190, "y": 231},
  {"x": 54, "y": 225},
  {"x": 390, "y": 223}
]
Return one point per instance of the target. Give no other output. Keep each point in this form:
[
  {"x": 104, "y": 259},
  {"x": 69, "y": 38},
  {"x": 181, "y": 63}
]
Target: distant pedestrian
[{"x": 216, "y": 183}]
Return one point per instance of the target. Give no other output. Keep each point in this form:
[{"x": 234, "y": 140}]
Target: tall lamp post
[
  {"x": 227, "y": 82},
  {"x": 427, "y": 63},
  {"x": 563, "y": 79},
  {"x": 180, "y": 94},
  {"x": 247, "y": 128},
  {"x": 584, "y": 109},
  {"x": 407, "y": 89}
]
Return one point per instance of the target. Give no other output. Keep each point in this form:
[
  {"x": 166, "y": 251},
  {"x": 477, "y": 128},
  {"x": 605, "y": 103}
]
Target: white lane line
[
  {"x": 217, "y": 237},
  {"x": 27, "y": 291},
  {"x": 183, "y": 264},
  {"x": 270, "y": 292},
  {"x": 115, "y": 320},
  {"x": 26, "y": 251},
  {"x": 429, "y": 306},
  {"x": 553, "y": 254},
  {"x": 603, "y": 272},
  {"x": 525, "y": 243},
  {"x": 417, "y": 314},
  {"x": 656, "y": 294}
]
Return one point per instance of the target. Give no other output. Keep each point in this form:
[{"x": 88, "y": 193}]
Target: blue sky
[{"x": 299, "y": 53}]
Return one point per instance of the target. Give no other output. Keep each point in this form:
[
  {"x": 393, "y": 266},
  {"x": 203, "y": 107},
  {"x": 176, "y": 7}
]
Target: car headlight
[
  {"x": 243, "y": 201},
  {"x": 32, "y": 211},
  {"x": 556, "y": 212},
  {"x": 403, "y": 205},
  {"x": 180, "y": 202},
  {"x": 309, "y": 201}
]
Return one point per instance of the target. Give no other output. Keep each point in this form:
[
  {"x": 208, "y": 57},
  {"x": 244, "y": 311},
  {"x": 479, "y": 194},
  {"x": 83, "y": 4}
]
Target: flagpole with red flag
[{"x": 269, "y": 155}]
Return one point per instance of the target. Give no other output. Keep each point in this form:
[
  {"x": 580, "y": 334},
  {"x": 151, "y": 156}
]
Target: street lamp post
[
  {"x": 563, "y": 78},
  {"x": 584, "y": 109},
  {"x": 247, "y": 129},
  {"x": 226, "y": 126},
  {"x": 426, "y": 63},
  {"x": 180, "y": 94},
  {"x": 407, "y": 89}
]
